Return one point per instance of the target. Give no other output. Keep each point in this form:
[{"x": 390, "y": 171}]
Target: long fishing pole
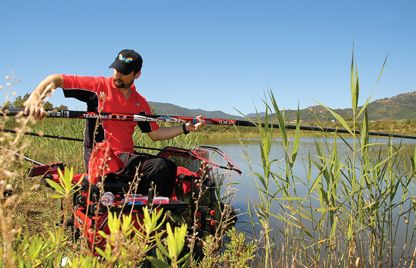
[
  {"x": 22, "y": 156},
  {"x": 186, "y": 119},
  {"x": 40, "y": 168},
  {"x": 28, "y": 133}
]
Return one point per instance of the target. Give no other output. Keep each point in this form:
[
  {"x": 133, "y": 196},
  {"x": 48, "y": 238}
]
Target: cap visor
[{"x": 120, "y": 68}]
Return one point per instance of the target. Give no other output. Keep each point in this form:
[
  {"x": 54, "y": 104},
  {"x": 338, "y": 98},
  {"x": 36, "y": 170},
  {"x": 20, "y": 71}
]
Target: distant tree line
[{"x": 19, "y": 103}]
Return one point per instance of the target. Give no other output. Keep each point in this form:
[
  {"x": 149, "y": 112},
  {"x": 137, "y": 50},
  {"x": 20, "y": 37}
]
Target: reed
[{"x": 358, "y": 209}]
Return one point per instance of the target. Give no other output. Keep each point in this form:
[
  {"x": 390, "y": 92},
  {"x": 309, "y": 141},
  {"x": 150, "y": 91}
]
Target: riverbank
[{"x": 231, "y": 134}]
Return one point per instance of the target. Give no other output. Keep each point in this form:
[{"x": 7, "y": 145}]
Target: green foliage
[
  {"x": 65, "y": 188},
  {"x": 19, "y": 101},
  {"x": 37, "y": 251},
  {"x": 127, "y": 246},
  {"x": 6, "y": 105},
  {"x": 83, "y": 261},
  {"x": 354, "y": 85},
  {"x": 48, "y": 106},
  {"x": 238, "y": 251},
  {"x": 339, "y": 119},
  {"x": 356, "y": 204},
  {"x": 61, "y": 107},
  {"x": 169, "y": 255}
]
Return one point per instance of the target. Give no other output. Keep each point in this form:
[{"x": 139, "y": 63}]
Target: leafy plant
[
  {"x": 238, "y": 252},
  {"x": 65, "y": 188},
  {"x": 126, "y": 245},
  {"x": 169, "y": 251},
  {"x": 37, "y": 251}
]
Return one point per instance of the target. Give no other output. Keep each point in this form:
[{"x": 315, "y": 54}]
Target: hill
[
  {"x": 399, "y": 107},
  {"x": 171, "y": 109}
]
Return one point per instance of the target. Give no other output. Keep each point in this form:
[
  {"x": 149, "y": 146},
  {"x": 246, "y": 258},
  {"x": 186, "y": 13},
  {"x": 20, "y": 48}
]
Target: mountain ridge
[
  {"x": 398, "y": 107},
  {"x": 172, "y": 109}
]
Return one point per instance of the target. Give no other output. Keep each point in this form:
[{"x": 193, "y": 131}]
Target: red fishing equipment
[{"x": 103, "y": 191}]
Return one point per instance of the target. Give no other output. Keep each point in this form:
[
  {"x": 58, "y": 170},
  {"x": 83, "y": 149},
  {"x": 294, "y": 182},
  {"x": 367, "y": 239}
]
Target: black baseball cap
[{"x": 127, "y": 61}]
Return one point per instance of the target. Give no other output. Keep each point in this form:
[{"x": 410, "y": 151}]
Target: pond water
[{"x": 248, "y": 158}]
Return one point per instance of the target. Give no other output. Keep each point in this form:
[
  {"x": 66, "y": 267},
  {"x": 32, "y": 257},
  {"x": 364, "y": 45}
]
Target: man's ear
[{"x": 138, "y": 74}]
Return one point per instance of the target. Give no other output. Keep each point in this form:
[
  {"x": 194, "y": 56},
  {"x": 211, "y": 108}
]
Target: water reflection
[{"x": 248, "y": 156}]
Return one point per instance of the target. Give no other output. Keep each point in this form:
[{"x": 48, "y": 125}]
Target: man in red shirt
[{"x": 117, "y": 94}]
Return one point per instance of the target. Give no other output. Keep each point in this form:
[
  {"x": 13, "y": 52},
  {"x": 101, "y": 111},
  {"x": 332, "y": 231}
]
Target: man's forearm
[
  {"x": 48, "y": 85},
  {"x": 165, "y": 133}
]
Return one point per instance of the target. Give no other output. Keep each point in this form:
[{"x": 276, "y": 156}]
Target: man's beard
[{"x": 120, "y": 84}]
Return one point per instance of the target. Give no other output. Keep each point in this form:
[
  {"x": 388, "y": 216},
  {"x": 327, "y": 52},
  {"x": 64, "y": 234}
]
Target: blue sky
[{"x": 216, "y": 55}]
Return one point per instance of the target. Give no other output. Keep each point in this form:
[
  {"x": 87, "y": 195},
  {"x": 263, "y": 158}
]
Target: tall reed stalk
[{"x": 358, "y": 208}]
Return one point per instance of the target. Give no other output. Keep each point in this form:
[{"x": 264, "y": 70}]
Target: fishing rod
[
  {"x": 189, "y": 119},
  {"x": 28, "y": 133},
  {"x": 22, "y": 156},
  {"x": 39, "y": 168}
]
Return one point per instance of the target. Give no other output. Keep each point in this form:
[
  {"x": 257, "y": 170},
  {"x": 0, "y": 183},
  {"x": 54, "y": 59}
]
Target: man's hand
[
  {"x": 34, "y": 104},
  {"x": 200, "y": 123},
  {"x": 164, "y": 133},
  {"x": 34, "y": 107}
]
